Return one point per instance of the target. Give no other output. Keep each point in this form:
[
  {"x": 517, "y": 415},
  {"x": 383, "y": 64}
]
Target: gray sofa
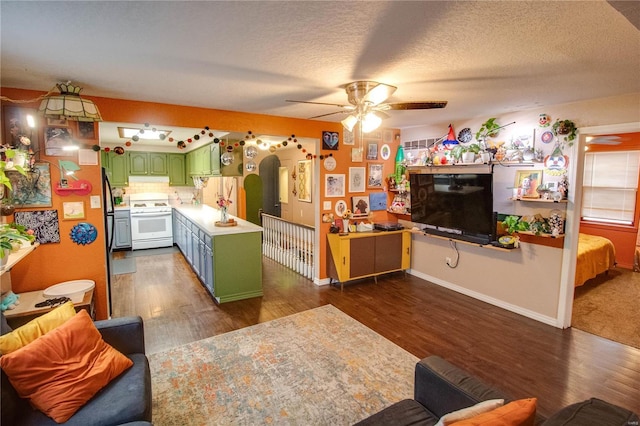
[
  {"x": 126, "y": 399},
  {"x": 441, "y": 388}
]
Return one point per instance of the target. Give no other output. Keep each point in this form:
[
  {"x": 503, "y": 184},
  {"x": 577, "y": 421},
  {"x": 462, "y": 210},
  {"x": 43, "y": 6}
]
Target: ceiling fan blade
[
  {"x": 331, "y": 113},
  {"x": 417, "y": 105},
  {"x": 604, "y": 140},
  {"x": 349, "y": 107},
  {"x": 379, "y": 94}
]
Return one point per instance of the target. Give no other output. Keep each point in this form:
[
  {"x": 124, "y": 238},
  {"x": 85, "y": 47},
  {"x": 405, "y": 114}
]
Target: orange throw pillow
[
  {"x": 60, "y": 371},
  {"x": 517, "y": 413}
]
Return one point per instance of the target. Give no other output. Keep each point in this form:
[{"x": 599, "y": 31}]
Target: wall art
[
  {"x": 347, "y": 137},
  {"x": 73, "y": 210},
  {"x": 372, "y": 151},
  {"x": 334, "y": 185},
  {"x": 360, "y": 205},
  {"x": 527, "y": 182},
  {"x": 378, "y": 201},
  {"x": 32, "y": 190},
  {"x": 55, "y": 138},
  {"x": 305, "y": 178},
  {"x": 86, "y": 130},
  {"x": 374, "y": 175},
  {"x": 17, "y": 133},
  {"x": 356, "y": 155},
  {"x": 44, "y": 224},
  {"x": 356, "y": 179},
  {"x": 330, "y": 140}
]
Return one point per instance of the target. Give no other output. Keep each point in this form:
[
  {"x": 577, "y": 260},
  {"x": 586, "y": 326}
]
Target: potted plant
[
  {"x": 566, "y": 128},
  {"x": 12, "y": 236},
  {"x": 488, "y": 129},
  {"x": 8, "y": 164},
  {"x": 466, "y": 153}
]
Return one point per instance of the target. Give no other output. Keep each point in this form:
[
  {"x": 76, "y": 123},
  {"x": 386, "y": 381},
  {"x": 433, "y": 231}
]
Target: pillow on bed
[{"x": 60, "y": 371}]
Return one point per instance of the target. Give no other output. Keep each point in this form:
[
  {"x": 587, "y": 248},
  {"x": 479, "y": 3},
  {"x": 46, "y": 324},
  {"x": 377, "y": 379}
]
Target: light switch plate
[
  {"x": 95, "y": 201},
  {"x": 326, "y": 205}
]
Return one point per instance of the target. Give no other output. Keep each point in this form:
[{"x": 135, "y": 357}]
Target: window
[{"x": 610, "y": 186}]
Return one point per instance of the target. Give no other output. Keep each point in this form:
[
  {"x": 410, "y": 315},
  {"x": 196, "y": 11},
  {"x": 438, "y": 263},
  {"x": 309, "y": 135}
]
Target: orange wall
[
  {"x": 622, "y": 237},
  {"x": 57, "y": 262},
  {"x": 53, "y": 263}
]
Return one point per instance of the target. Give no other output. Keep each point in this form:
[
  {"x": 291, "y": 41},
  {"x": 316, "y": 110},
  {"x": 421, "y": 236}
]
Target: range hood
[{"x": 149, "y": 179}]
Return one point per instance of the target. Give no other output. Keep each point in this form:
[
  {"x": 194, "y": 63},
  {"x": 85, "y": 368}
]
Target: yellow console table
[{"x": 368, "y": 254}]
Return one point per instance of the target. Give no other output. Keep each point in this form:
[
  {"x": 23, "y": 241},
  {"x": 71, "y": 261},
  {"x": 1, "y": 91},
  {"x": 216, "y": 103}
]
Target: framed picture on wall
[
  {"x": 372, "y": 151},
  {"x": 356, "y": 155},
  {"x": 55, "y": 139},
  {"x": 377, "y": 201},
  {"x": 330, "y": 140},
  {"x": 374, "y": 175},
  {"x": 305, "y": 176},
  {"x": 17, "y": 132},
  {"x": 360, "y": 205},
  {"x": 73, "y": 210},
  {"x": 527, "y": 182},
  {"x": 334, "y": 185},
  {"x": 356, "y": 179},
  {"x": 86, "y": 130}
]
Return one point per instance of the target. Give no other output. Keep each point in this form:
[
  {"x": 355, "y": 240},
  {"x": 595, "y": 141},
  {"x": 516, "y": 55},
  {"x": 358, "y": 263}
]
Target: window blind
[{"x": 610, "y": 186}]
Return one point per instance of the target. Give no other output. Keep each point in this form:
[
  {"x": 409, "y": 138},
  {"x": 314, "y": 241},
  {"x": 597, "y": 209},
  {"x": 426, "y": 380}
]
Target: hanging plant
[
  {"x": 488, "y": 129},
  {"x": 566, "y": 128}
]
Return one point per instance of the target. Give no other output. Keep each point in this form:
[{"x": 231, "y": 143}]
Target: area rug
[
  {"x": 607, "y": 306},
  {"x": 317, "y": 367},
  {"x": 151, "y": 252},
  {"x": 124, "y": 266}
]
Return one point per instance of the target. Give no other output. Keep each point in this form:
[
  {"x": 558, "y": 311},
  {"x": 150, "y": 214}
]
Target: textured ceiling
[{"x": 485, "y": 58}]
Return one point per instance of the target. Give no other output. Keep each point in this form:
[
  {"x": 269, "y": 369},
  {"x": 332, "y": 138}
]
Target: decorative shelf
[
  {"x": 538, "y": 200},
  {"x": 487, "y": 246},
  {"x": 79, "y": 187}
]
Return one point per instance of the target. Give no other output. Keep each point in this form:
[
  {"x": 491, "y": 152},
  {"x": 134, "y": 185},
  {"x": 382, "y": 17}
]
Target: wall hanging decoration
[
  {"x": 544, "y": 120},
  {"x": 348, "y": 138},
  {"x": 372, "y": 151},
  {"x": 356, "y": 155},
  {"x": 44, "y": 223},
  {"x": 360, "y": 205},
  {"x": 73, "y": 210},
  {"x": 378, "y": 201},
  {"x": 83, "y": 233},
  {"x": 306, "y": 177},
  {"x": 567, "y": 129},
  {"x": 557, "y": 163},
  {"x": 58, "y": 141},
  {"x": 385, "y": 152},
  {"x": 527, "y": 182},
  {"x": 357, "y": 179},
  {"x": 86, "y": 130},
  {"x": 33, "y": 189},
  {"x": 341, "y": 207},
  {"x": 20, "y": 128},
  {"x": 330, "y": 140},
  {"x": 329, "y": 164},
  {"x": 374, "y": 175},
  {"x": 334, "y": 185}
]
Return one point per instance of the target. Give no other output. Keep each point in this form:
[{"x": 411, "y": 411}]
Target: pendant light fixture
[{"x": 69, "y": 105}]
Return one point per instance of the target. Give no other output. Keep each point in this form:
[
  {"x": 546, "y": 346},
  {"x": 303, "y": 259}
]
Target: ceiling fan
[{"x": 366, "y": 104}]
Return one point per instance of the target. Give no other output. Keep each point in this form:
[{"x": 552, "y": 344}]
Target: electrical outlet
[{"x": 448, "y": 260}]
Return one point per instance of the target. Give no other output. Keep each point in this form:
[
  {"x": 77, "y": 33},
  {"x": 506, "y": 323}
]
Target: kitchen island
[{"x": 226, "y": 259}]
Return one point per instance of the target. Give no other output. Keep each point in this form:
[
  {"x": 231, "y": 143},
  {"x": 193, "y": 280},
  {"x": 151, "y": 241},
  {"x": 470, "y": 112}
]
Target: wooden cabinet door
[
  {"x": 388, "y": 252},
  {"x": 157, "y": 164},
  {"x": 362, "y": 257},
  {"x": 177, "y": 169},
  {"x": 215, "y": 159},
  {"x": 119, "y": 170},
  {"x": 138, "y": 163},
  {"x": 122, "y": 231}
]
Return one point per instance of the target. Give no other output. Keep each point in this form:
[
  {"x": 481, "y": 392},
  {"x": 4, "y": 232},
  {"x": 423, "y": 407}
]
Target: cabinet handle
[{"x": 344, "y": 260}]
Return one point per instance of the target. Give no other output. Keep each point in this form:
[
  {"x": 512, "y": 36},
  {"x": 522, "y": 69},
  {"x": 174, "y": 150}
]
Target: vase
[
  {"x": 4, "y": 259},
  {"x": 224, "y": 215},
  {"x": 345, "y": 225}
]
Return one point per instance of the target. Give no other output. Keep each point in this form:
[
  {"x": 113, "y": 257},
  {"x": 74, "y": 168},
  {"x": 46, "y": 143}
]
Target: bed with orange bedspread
[{"x": 595, "y": 255}]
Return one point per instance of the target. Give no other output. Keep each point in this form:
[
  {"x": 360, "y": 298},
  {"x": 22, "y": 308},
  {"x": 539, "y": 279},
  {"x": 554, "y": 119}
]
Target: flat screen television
[{"x": 454, "y": 205}]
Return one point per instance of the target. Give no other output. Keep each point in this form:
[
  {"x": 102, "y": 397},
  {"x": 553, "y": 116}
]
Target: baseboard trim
[{"x": 492, "y": 301}]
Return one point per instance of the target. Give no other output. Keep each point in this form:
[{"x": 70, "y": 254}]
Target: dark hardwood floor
[{"x": 516, "y": 354}]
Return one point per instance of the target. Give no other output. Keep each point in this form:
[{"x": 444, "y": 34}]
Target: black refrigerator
[{"x": 109, "y": 221}]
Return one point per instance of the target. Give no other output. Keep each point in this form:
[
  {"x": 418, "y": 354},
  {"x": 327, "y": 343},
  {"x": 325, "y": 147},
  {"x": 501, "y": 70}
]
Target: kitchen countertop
[
  {"x": 122, "y": 207},
  {"x": 205, "y": 217}
]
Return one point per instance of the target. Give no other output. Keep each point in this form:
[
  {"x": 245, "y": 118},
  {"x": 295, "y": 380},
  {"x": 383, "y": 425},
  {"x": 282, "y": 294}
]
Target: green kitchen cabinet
[
  {"x": 204, "y": 161},
  {"x": 148, "y": 164},
  {"x": 215, "y": 159},
  {"x": 177, "y": 170},
  {"x": 116, "y": 167}
]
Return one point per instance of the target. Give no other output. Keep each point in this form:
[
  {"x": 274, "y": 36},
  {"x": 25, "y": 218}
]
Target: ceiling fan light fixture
[
  {"x": 350, "y": 122},
  {"x": 69, "y": 105},
  {"x": 370, "y": 122},
  {"x": 380, "y": 93}
]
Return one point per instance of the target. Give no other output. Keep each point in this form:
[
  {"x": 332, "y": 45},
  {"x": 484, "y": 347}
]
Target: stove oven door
[{"x": 151, "y": 230}]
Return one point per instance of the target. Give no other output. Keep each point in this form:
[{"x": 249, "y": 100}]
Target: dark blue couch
[
  {"x": 441, "y": 388},
  {"x": 126, "y": 399}
]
